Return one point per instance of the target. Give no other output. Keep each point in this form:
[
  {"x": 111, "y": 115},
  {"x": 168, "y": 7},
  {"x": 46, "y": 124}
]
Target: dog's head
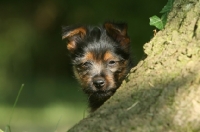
[{"x": 100, "y": 56}]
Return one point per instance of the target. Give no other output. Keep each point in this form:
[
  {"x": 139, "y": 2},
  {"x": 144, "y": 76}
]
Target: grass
[{"x": 56, "y": 117}]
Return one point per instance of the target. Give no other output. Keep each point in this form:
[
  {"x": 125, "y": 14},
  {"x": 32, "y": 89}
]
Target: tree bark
[{"x": 162, "y": 93}]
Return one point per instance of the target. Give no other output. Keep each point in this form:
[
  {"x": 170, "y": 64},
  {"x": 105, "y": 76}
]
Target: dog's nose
[{"x": 99, "y": 82}]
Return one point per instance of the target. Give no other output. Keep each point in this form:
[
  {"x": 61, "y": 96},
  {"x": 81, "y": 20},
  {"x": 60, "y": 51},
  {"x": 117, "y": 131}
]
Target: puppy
[{"x": 101, "y": 58}]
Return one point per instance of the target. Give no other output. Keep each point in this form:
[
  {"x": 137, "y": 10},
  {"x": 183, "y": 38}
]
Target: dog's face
[
  {"x": 100, "y": 57},
  {"x": 99, "y": 70}
]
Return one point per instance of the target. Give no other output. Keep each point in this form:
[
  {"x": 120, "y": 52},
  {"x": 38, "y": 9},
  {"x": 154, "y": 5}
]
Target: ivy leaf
[
  {"x": 161, "y": 22},
  {"x": 167, "y": 8},
  {"x": 164, "y": 19},
  {"x": 157, "y": 22}
]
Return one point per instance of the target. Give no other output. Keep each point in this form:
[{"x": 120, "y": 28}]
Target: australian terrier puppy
[{"x": 101, "y": 58}]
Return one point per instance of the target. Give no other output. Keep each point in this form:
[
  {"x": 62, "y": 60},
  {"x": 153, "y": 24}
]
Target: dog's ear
[
  {"x": 73, "y": 35},
  {"x": 118, "y": 32}
]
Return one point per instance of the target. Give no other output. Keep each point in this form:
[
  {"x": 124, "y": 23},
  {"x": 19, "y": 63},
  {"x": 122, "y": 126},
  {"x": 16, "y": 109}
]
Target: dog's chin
[{"x": 101, "y": 94}]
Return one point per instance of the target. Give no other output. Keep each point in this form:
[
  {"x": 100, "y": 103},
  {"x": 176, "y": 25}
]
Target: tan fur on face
[
  {"x": 108, "y": 56},
  {"x": 89, "y": 56},
  {"x": 110, "y": 79}
]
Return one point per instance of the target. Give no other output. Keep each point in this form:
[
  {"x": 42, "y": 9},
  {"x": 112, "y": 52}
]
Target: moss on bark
[{"x": 162, "y": 93}]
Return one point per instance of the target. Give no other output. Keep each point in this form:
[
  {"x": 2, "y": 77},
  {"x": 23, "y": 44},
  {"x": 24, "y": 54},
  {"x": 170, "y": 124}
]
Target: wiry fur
[{"x": 101, "y": 58}]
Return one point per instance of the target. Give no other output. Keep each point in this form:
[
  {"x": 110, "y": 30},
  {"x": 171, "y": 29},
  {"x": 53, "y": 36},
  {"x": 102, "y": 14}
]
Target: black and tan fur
[{"x": 101, "y": 58}]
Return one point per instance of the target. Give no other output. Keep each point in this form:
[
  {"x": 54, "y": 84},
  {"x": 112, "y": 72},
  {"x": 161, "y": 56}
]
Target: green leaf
[
  {"x": 157, "y": 22},
  {"x": 161, "y": 22},
  {"x": 167, "y": 8},
  {"x": 164, "y": 19}
]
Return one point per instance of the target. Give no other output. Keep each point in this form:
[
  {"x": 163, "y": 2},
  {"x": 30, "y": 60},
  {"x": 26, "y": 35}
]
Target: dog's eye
[
  {"x": 86, "y": 64},
  {"x": 111, "y": 63}
]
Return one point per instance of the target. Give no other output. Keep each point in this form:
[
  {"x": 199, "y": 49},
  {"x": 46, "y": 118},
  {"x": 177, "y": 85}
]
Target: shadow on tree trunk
[{"x": 161, "y": 94}]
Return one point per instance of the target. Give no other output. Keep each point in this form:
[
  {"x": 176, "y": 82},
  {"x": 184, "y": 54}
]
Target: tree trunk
[{"x": 162, "y": 93}]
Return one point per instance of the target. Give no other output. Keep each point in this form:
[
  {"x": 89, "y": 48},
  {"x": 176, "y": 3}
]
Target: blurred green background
[{"x": 32, "y": 52}]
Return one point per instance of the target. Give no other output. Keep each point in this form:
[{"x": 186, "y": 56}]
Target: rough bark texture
[{"x": 162, "y": 93}]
